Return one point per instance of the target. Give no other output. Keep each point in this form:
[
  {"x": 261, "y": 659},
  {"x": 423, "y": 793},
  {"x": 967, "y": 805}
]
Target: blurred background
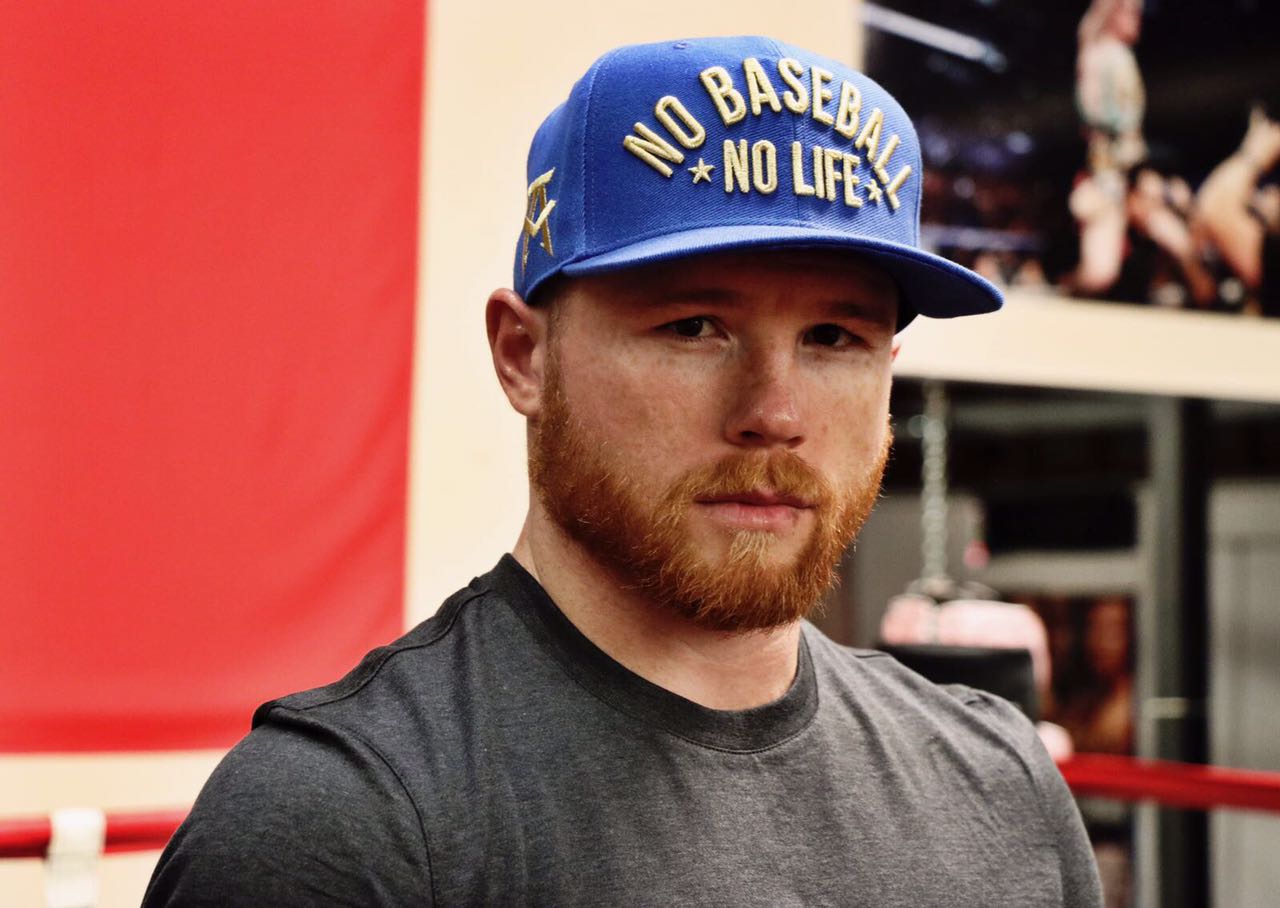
[{"x": 251, "y": 429}]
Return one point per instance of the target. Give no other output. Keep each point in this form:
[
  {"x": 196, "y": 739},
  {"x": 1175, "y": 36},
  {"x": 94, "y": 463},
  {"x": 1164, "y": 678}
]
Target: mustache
[{"x": 782, "y": 473}]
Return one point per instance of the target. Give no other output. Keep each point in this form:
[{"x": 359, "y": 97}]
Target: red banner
[{"x": 207, "y": 262}]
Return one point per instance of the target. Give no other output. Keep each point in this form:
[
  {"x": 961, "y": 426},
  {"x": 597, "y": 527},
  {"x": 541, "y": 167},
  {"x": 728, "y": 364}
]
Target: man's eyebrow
[
  {"x": 866, "y": 311},
  {"x": 709, "y": 295}
]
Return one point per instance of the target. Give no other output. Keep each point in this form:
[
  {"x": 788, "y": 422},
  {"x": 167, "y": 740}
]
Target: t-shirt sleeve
[
  {"x": 1080, "y": 883},
  {"x": 1081, "y": 887},
  {"x": 297, "y": 814}
]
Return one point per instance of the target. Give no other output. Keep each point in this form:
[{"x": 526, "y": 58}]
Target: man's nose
[{"x": 765, "y": 411}]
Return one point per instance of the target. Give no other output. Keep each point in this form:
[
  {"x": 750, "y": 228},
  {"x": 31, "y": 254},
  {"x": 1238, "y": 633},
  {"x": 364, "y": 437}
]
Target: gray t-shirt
[{"x": 495, "y": 756}]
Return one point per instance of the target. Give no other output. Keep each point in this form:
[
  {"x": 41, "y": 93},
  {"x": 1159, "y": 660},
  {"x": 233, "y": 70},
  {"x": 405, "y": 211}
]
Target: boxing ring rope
[
  {"x": 1170, "y": 784},
  {"x": 145, "y": 831}
]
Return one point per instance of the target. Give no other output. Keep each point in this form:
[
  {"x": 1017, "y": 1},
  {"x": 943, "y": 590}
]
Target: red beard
[{"x": 647, "y": 543}]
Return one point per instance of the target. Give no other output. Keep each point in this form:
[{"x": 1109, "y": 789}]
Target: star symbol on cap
[
  {"x": 702, "y": 171},
  {"x": 874, "y": 192}
]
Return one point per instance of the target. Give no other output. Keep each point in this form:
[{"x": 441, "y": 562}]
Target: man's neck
[{"x": 717, "y": 669}]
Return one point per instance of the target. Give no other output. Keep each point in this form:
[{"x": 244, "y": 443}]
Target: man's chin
[{"x": 752, "y": 587}]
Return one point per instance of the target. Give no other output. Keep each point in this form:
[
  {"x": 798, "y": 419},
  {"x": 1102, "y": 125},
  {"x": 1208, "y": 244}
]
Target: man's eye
[
  {"x": 692, "y": 327},
  {"x": 830, "y": 336}
]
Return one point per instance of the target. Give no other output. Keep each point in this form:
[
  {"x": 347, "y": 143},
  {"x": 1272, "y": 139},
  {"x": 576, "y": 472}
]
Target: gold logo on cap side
[{"x": 535, "y": 220}]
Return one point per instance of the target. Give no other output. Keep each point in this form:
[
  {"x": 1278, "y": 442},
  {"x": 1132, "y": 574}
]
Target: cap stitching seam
[{"x": 589, "y": 176}]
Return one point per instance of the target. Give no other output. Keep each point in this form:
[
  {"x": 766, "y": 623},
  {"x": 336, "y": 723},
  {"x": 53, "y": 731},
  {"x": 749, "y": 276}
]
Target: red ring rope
[
  {"x": 29, "y": 837},
  {"x": 1173, "y": 784}
]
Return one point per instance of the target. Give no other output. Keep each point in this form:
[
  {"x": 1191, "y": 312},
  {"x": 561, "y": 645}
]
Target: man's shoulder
[
  {"x": 878, "y": 685},
  {"x": 439, "y": 654},
  {"x": 328, "y": 771},
  {"x": 968, "y": 737},
  {"x": 286, "y": 818}
]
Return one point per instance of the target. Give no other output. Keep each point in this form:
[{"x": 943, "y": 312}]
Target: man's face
[{"x": 714, "y": 431}]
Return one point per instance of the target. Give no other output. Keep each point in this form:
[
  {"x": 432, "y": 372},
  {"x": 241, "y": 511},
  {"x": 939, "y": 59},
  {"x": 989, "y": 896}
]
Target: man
[{"x": 718, "y": 249}]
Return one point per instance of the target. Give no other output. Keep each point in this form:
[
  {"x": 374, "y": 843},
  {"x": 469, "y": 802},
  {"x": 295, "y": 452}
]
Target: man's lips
[
  {"x": 760, "y": 498},
  {"x": 758, "y": 510}
]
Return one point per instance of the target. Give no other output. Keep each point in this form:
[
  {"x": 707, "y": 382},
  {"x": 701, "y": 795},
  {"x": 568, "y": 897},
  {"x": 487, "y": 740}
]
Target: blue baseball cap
[{"x": 686, "y": 147}]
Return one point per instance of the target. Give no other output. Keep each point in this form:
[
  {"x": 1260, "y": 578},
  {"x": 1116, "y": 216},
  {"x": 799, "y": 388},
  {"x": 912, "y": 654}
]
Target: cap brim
[{"x": 928, "y": 284}]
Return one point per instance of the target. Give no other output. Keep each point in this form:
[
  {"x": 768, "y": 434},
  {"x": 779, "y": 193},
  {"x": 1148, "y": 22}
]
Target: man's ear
[
  {"x": 517, "y": 341},
  {"x": 897, "y": 345}
]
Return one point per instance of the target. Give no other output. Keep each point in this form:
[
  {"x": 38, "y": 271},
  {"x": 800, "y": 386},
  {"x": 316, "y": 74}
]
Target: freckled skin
[{"x": 762, "y": 373}]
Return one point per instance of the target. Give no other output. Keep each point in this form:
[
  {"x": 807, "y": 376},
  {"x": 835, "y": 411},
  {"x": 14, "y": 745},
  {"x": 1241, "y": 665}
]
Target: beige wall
[
  {"x": 1045, "y": 340},
  {"x": 494, "y": 70}
]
